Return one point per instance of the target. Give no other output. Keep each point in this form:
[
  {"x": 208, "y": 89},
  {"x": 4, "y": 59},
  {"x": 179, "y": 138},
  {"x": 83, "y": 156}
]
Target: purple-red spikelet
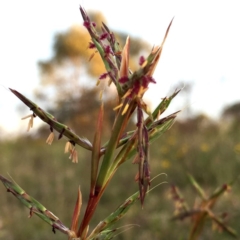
[
  {"x": 123, "y": 79},
  {"x": 146, "y": 80},
  {"x": 103, "y": 76},
  {"x": 136, "y": 88},
  {"x": 108, "y": 50},
  {"x": 91, "y": 45},
  {"x": 87, "y": 24},
  {"x": 141, "y": 60},
  {"x": 103, "y": 36}
]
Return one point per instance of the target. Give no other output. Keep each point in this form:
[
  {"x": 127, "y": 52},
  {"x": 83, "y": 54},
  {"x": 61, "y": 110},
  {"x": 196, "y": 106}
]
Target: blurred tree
[
  {"x": 232, "y": 111},
  {"x": 65, "y": 77},
  {"x": 197, "y": 123},
  {"x": 231, "y": 117}
]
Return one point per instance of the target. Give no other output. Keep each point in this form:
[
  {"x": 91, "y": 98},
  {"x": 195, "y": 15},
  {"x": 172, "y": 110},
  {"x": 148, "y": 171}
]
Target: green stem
[
  {"x": 112, "y": 145},
  {"x": 105, "y": 174}
]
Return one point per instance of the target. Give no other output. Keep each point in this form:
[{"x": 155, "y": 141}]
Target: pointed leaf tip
[
  {"x": 125, "y": 59},
  {"x": 77, "y": 211}
]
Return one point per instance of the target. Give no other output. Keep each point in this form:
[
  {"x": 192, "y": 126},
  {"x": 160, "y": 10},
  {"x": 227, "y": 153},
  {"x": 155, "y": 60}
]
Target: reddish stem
[{"x": 91, "y": 207}]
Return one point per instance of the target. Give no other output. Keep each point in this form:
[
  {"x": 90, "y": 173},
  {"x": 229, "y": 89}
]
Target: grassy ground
[{"x": 209, "y": 151}]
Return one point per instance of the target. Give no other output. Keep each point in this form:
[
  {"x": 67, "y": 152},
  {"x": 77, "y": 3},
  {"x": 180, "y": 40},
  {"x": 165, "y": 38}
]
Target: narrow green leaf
[
  {"x": 222, "y": 225},
  {"x": 102, "y": 54},
  {"x": 220, "y": 190},
  {"x": 114, "y": 217},
  {"x": 96, "y": 150},
  {"x": 34, "y": 206},
  {"x": 161, "y": 126},
  {"x": 105, "y": 225},
  {"x": 161, "y": 108},
  {"x": 197, "y": 186},
  {"x": 52, "y": 122}
]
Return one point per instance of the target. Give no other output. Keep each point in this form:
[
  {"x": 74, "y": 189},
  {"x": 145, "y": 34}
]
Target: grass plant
[{"x": 121, "y": 146}]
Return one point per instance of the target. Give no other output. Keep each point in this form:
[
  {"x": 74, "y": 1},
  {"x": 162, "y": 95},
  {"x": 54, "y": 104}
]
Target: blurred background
[{"x": 45, "y": 56}]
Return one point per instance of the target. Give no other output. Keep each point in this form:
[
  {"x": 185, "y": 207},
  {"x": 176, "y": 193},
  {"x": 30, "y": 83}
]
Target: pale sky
[{"x": 203, "y": 47}]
